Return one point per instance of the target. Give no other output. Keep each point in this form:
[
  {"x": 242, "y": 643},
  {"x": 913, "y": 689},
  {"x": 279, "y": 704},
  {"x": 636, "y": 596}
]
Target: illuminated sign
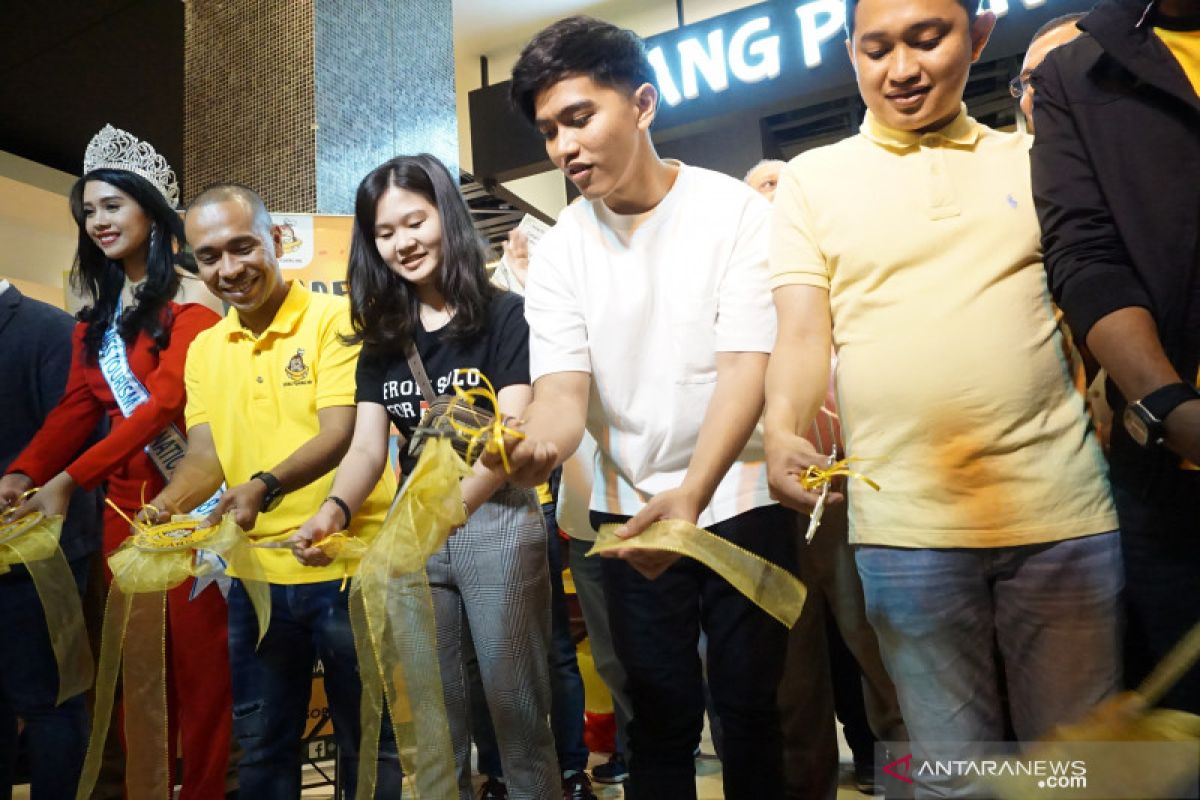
[
  {"x": 748, "y": 63},
  {"x": 755, "y": 50}
]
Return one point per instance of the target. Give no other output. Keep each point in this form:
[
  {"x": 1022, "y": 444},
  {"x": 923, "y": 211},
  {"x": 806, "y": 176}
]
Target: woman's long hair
[
  {"x": 384, "y": 308},
  {"x": 101, "y": 279}
]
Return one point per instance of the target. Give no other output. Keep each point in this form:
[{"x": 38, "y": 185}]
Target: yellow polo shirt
[
  {"x": 951, "y": 382},
  {"x": 260, "y": 397},
  {"x": 1185, "y": 46}
]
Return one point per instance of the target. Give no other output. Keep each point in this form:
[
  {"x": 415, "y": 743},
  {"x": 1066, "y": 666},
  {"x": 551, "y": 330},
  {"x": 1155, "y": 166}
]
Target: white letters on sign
[{"x": 711, "y": 63}]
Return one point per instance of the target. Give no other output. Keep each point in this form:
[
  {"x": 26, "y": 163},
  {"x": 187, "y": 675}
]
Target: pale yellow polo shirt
[
  {"x": 260, "y": 397},
  {"x": 952, "y": 382}
]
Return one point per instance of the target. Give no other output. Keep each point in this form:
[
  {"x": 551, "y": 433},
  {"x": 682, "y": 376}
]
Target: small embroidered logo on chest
[
  {"x": 296, "y": 369},
  {"x": 1012, "y": 201}
]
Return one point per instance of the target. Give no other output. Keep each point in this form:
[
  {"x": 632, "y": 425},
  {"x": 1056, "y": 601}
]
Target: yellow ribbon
[
  {"x": 491, "y": 436},
  {"x": 154, "y": 560},
  {"x": 32, "y": 540},
  {"x": 771, "y": 588},
  {"x": 815, "y": 477},
  {"x": 395, "y": 633}
]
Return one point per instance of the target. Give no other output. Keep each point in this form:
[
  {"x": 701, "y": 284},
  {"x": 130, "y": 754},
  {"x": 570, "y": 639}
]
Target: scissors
[{"x": 814, "y": 519}]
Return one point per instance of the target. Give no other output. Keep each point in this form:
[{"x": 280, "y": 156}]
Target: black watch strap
[
  {"x": 1163, "y": 400},
  {"x": 274, "y": 489},
  {"x": 340, "y": 503}
]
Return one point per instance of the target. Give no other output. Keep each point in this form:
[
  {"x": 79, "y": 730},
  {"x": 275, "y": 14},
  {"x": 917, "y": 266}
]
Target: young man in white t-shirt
[{"x": 650, "y": 324}]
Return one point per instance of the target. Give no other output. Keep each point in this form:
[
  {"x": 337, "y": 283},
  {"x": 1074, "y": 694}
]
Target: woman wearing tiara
[{"x": 134, "y": 335}]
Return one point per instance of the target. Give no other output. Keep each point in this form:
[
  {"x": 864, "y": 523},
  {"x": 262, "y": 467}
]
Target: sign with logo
[
  {"x": 296, "y": 235},
  {"x": 316, "y": 249}
]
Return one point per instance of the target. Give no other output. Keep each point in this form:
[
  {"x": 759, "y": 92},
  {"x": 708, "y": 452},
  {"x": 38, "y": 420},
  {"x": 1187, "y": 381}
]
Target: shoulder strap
[{"x": 418, "y": 370}]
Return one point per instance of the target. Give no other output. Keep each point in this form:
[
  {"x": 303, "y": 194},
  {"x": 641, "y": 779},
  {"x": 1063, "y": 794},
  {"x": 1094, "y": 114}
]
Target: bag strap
[{"x": 418, "y": 370}]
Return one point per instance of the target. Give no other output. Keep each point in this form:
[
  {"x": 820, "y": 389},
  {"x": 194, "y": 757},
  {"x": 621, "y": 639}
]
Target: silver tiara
[{"x": 113, "y": 148}]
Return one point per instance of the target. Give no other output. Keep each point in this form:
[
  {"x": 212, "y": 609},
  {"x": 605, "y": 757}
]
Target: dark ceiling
[{"x": 69, "y": 66}]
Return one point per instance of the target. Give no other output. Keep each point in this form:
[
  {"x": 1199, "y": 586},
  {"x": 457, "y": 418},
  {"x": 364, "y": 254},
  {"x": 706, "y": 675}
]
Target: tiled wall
[
  {"x": 384, "y": 87},
  {"x": 249, "y": 100},
  {"x": 300, "y": 99}
]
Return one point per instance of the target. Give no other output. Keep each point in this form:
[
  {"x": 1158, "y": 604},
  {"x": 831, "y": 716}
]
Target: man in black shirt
[
  {"x": 1116, "y": 165},
  {"x": 35, "y": 357}
]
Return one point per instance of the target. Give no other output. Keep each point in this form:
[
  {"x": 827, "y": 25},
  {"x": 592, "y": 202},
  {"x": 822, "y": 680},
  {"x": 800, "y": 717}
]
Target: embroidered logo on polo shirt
[
  {"x": 296, "y": 369},
  {"x": 1012, "y": 201}
]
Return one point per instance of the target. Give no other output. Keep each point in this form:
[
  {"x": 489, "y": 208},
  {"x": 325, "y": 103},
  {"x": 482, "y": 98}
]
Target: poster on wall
[{"x": 316, "y": 249}]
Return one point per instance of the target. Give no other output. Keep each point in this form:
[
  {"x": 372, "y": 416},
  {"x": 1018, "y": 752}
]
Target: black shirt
[
  {"x": 1114, "y": 163},
  {"x": 500, "y": 352},
  {"x": 35, "y": 360}
]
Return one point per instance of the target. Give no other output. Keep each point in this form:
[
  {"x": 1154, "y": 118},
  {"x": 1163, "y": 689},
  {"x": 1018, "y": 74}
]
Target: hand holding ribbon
[
  {"x": 486, "y": 439},
  {"x": 769, "y": 586},
  {"x": 306, "y": 542},
  {"x": 789, "y": 457},
  {"x": 14, "y": 488},
  {"x": 50, "y": 500},
  {"x": 674, "y": 504},
  {"x": 244, "y": 501}
]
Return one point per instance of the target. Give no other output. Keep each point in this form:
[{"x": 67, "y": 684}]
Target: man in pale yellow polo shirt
[
  {"x": 270, "y": 412},
  {"x": 913, "y": 248}
]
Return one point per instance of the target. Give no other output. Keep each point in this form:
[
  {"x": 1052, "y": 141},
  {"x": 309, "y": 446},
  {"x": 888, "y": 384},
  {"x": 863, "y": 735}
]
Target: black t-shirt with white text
[{"x": 500, "y": 352}]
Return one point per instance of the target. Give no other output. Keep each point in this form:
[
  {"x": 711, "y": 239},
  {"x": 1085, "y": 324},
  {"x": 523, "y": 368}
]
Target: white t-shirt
[{"x": 644, "y": 303}]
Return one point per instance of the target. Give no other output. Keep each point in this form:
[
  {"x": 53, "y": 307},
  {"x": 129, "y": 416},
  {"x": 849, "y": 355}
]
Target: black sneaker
[
  {"x": 864, "y": 777},
  {"x": 578, "y": 787},
  {"x": 612, "y": 771},
  {"x": 493, "y": 789}
]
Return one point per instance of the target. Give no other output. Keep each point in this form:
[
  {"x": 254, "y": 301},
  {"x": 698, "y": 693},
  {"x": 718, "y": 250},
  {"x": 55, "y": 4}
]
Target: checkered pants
[{"x": 495, "y": 570}]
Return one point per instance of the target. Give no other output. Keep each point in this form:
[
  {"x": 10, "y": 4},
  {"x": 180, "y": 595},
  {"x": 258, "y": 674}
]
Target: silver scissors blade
[{"x": 814, "y": 518}]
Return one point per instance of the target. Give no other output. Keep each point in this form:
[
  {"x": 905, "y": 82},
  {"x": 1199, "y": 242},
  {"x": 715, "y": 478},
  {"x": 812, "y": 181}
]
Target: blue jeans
[
  {"x": 55, "y": 736},
  {"x": 271, "y": 688},
  {"x": 1052, "y": 609}
]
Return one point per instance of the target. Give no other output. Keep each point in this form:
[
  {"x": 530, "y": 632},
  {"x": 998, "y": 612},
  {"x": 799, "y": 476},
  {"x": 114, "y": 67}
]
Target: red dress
[{"x": 200, "y": 698}]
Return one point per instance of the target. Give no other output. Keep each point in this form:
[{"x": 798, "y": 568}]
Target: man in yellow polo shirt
[
  {"x": 270, "y": 412},
  {"x": 913, "y": 248}
]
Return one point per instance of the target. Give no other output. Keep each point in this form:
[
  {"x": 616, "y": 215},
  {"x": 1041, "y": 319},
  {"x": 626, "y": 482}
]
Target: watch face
[{"x": 1138, "y": 430}]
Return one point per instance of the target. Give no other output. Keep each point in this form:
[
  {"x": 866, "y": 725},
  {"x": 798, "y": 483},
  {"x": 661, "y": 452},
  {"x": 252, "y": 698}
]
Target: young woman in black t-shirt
[{"x": 417, "y": 275}]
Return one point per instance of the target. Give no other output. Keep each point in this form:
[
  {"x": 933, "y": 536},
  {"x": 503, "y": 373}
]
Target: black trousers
[
  {"x": 1160, "y": 542},
  {"x": 656, "y": 627}
]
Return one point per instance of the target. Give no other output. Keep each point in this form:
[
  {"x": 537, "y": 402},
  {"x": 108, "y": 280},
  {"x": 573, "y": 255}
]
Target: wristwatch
[
  {"x": 1144, "y": 418},
  {"x": 274, "y": 493}
]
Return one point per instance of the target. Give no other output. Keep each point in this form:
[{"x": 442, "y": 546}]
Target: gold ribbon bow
[
  {"x": 32, "y": 540},
  {"x": 815, "y": 477},
  {"x": 822, "y": 478},
  {"x": 155, "y": 559},
  {"x": 490, "y": 436},
  {"x": 395, "y": 633},
  {"x": 771, "y": 588}
]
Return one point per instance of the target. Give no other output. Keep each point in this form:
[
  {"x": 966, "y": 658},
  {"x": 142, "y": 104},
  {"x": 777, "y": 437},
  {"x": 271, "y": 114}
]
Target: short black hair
[
  {"x": 970, "y": 6},
  {"x": 1056, "y": 23},
  {"x": 579, "y": 45}
]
